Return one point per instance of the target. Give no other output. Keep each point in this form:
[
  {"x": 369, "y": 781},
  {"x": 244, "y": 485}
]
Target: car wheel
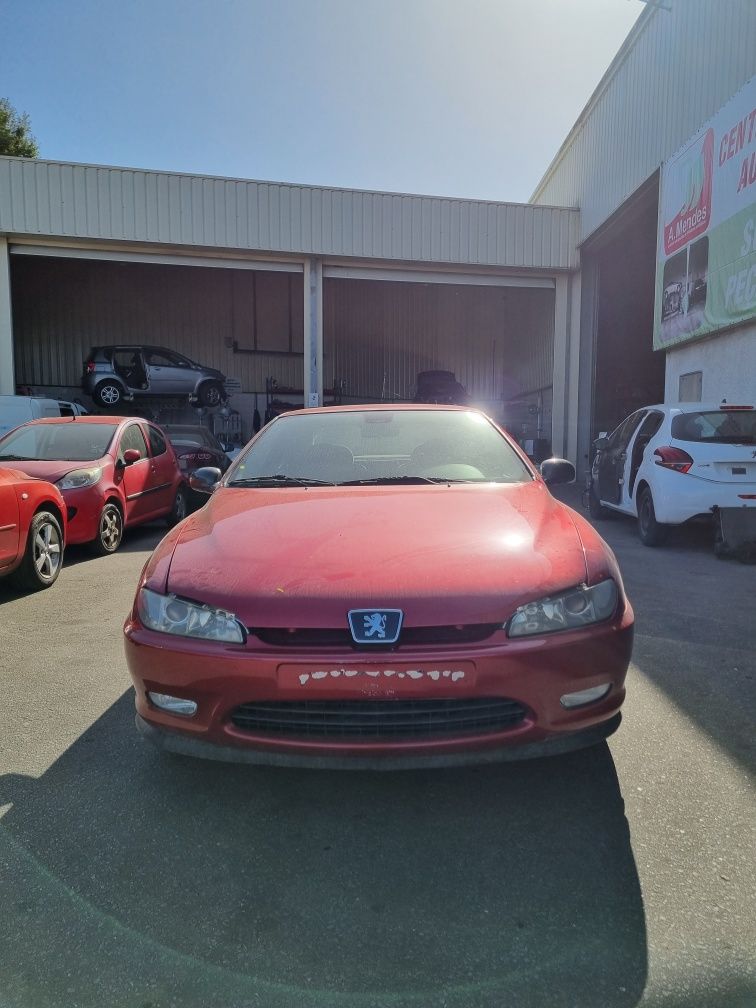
[
  {"x": 43, "y": 557},
  {"x": 595, "y": 508},
  {"x": 109, "y": 531},
  {"x": 210, "y": 394},
  {"x": 180, "y": 508},
  {"x": 108, "y": 394},
  {"x": 651, "y": 532}
]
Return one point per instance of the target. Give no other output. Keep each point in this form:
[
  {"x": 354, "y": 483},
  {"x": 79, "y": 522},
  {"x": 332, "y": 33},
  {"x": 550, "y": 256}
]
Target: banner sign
[{"x": 706, "y": 248}]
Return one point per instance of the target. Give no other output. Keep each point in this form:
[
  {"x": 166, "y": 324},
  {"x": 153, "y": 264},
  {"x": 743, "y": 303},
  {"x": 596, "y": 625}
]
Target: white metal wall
[
  {"x": 118, "y": 204},
  {"x": 676, "y": 69}
]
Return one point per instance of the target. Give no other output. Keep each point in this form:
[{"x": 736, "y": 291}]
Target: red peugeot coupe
[{"x": 380, "y": 586}]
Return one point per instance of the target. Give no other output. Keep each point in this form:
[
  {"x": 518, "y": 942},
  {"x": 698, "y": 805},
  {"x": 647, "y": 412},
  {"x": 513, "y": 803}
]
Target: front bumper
[
  {"x": 535, "y": 672},
  {"x": 83, "y": 507},
  {"x": 171, "y": 741}
]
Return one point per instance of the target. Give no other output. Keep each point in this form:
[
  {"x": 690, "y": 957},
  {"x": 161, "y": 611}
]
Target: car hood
[
  {"x": 52, "y": 471},
  {"x": 445, "y": 555}
]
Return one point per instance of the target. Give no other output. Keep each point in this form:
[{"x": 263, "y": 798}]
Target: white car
[{"x": 667, "y": 464}]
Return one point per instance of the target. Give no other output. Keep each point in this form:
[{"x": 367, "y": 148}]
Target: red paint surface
[{"x": 20, "y": 499}]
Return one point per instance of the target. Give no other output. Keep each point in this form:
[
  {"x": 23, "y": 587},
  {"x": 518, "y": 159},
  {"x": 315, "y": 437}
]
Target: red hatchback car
[
  {"x": 380, "y": 586},
  {"x": 113, "y": 472},
  {"x": 32, "y": 530}
]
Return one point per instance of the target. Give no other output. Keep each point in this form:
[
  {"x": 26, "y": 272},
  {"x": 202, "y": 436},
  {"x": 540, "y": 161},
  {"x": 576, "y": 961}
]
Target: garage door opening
[
  {"x": 498, "y": 341},
  {"x": 628, "y": 373},
  {"x": 246, "y": 322}
]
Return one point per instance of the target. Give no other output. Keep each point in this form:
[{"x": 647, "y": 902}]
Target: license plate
[{"x": 385, "y": 679}]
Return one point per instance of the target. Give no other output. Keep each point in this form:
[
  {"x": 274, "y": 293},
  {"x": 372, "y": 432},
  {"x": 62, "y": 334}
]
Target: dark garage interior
[{"x": 628, "y": 373}]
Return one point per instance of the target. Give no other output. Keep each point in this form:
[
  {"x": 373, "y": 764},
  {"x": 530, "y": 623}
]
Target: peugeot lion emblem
[{"x": 375, "y": 626}]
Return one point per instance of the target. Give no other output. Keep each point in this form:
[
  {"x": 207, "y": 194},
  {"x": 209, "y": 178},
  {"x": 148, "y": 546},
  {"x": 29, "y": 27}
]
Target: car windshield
[
  {"x": 191, "y": 435},
  {"x": 63, "y": 442},
  {"x": 380, "y": 447},
  {"x": 716, "y": 426}
]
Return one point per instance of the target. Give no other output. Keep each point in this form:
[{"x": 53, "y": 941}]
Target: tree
[{"x": 15, "y": 138}]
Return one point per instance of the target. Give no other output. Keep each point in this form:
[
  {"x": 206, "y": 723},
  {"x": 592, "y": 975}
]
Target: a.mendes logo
[{"x": 690, "y": 180}]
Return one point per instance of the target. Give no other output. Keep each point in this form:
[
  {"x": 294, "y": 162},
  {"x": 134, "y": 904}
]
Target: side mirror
[
  {"x": 131, "y": 455},
  {"x": 601, "y": 443},
  {"x": 205, "y": 480},
  {"x": 556, "y": 470}
]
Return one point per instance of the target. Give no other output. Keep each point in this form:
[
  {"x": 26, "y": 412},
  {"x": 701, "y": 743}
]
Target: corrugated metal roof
[
  {"x": 171, "y": 209},
  {"x": 676, "y": 68}
]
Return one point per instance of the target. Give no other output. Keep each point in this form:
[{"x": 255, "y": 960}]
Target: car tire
[
  {"x": 108, "y": 394},
  {"x": 595, "y": 508},
  {"x": 43, "y": 556},
  {"x": 210, "y": 394},
  {"x": 109, "y": 530},
  {"x": 180, "y": 508},
  {"x": 651, "y": 532}
]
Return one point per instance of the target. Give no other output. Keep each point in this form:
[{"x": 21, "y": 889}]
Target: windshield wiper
[
  {"x": 279, "y": 481},
  {"x": 17, "y": 458},
  {"x": 396, "y": 480}
]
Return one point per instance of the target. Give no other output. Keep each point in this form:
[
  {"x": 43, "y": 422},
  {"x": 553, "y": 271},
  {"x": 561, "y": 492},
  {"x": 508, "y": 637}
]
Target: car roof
[
  {"x": 387, "y": 407},
  {"x": 703, "y": 407},
  {"x": 90, "y": 419},
  {"x": 138, "y": 346}
]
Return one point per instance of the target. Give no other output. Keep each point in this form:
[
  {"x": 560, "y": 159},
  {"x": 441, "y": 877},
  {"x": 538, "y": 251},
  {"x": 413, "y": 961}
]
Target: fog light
[
  {"x": 173, "y": 704},
  {"x": 585, "y": 696}
]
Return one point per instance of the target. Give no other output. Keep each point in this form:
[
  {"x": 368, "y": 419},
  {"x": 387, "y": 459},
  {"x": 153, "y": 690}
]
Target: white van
[{"x": 17, "y": 409}]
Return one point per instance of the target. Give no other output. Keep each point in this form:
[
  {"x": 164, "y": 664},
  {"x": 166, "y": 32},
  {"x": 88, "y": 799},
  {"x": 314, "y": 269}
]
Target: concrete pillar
[
  {"x": 7, "y": 375},
  {"x": 313, "y": 332}
]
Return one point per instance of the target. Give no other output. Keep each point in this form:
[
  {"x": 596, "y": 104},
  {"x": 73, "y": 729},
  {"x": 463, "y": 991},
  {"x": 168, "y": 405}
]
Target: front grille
[
  {"x": 342, "y": 638},
  {"x": 379, "y": 719}
]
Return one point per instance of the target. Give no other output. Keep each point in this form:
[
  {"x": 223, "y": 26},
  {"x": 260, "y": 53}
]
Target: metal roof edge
[
  {"x": 288, "y": 185},
  {"x": 638, "y": 27}
]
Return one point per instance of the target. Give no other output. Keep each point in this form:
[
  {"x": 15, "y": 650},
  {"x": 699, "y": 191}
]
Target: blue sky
[{"x": 432, "y": 96}]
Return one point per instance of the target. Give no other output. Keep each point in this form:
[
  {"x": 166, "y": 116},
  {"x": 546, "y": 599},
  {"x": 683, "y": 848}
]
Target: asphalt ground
[{"x": 621, "y": 875}]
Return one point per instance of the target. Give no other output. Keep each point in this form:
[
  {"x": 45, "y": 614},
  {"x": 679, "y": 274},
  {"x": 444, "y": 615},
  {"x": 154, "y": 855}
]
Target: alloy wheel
[
  {"x": 47, "y": 552},
  {"x": 110, "y": 528}
]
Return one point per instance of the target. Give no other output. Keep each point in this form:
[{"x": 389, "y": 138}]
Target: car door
[
  {"x": 163, "y": 472},
  {"x": 637, "y": 447},
  {"x": 9, "y": 522},
  {"x": 166, "y": 374},
  {"x": 612, "y": 464},
  {"x": 128, "y": 364},
  {"x": 137, "y": 477}
]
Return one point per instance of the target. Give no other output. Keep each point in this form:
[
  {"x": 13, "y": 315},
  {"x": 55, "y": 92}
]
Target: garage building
[
  {"x": 298, "y": 294},
  {"x": 685, "y": 69}
]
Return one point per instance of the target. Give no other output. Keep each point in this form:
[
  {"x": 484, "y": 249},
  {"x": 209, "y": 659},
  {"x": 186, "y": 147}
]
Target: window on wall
[{"x": 690, "y": 387}]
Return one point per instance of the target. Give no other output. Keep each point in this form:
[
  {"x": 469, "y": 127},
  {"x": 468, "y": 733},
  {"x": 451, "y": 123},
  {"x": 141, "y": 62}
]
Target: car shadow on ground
[{"x": 134, "y": 878}]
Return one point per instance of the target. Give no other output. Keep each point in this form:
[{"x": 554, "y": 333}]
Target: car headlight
[
  {"x": 169, "y": 614},
  {"x": 79, "y": 478},
  {"x": 577, "y": 607}
]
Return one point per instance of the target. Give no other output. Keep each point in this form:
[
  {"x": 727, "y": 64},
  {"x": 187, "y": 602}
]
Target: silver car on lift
[{"x": 116, "y": 374}]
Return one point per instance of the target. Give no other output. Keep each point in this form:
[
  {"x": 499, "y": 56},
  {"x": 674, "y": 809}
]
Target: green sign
[{"x": 706, "y": 253}]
